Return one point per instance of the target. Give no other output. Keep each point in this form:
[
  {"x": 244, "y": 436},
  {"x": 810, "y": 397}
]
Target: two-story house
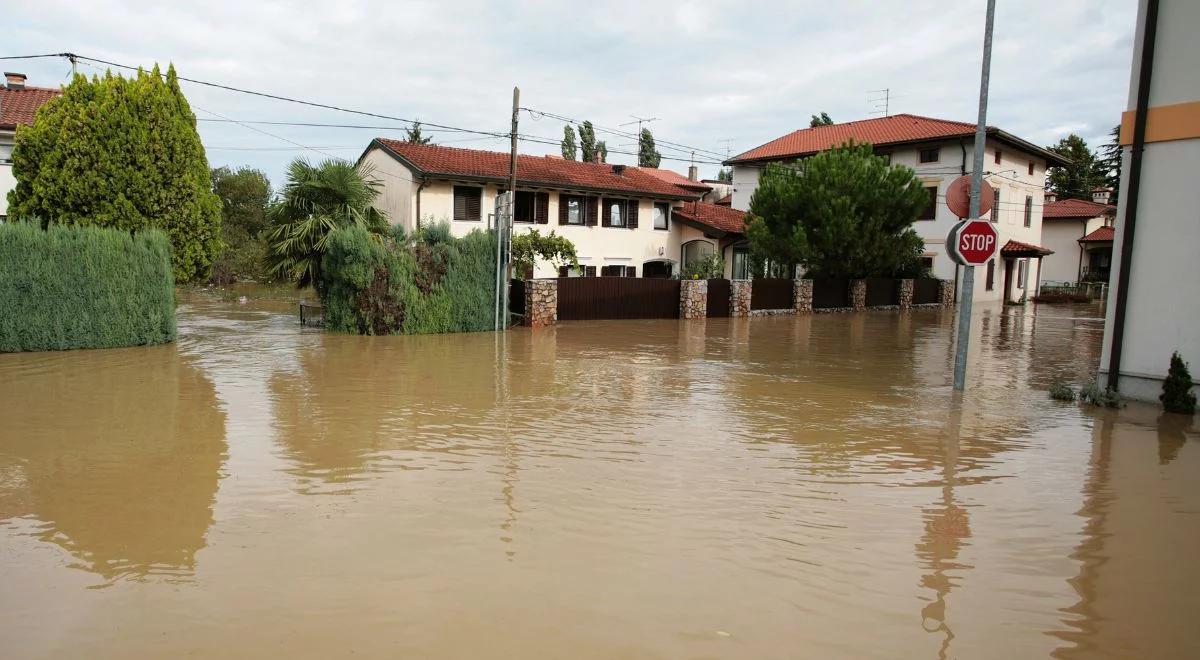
[
  {"x": 623, "y": 220},
  {"x": 1081, "y": 234},
  {"x": 18, "y": 105},
  {"x": 939, "y": 151}
]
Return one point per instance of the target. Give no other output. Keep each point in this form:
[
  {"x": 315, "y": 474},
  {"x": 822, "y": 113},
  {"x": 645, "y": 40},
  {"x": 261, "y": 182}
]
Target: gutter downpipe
[
  {"x": 1145, "y": 71},
  {"x": 424, "y": 182}
]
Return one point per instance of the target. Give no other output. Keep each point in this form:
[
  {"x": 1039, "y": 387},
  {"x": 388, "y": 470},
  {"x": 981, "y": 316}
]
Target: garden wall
[{"x": 70, "y": 287}]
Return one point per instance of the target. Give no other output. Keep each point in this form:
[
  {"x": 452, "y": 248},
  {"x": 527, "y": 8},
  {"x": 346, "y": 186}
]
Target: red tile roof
[
  {"x": 473, "y": 164},
  {"x": 1018, "y": 249},
  {"x": 895, "y": 129},
  {"x": 671, "y": 176},
  {"x": 727, "y": 200},
  {"x": 18, "y": 106},
  {"x": 1075, "y": 208},
  {"x": 721, "y": 218},
  {"x": 1100, "y": 235}
]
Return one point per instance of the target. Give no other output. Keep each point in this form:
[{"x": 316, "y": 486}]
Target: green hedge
[
  {"x": 427, "y": 283},
  {"x": 84, "y": 287}
]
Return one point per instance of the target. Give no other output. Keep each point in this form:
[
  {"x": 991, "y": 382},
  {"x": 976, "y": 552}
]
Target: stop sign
[{"x": 972, "y": 242}]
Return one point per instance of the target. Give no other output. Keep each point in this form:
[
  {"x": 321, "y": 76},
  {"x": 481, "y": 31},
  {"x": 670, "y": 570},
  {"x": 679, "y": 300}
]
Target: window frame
[
  {"x": 531, "y": 198},
  {"x": 1031, "y": 167},
  {"x": 454, "y": 194},
  {"x": 578, "y": 200},
  {"x": 997, "y": 157},
  {"x": 608, "y": 203},
  {"x": 1028, "y": 210},
  {"x": 995, "y": 204},
  {"x": 666, "y": 216},
  {"x": 932, "y": 208},
  {"x": 935, "y": 151}
]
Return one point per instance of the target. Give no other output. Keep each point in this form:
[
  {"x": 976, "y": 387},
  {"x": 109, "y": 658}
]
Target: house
[
  {"x": 940, "y": 151},
  {"x": 624, "y": 221},
  {"x": 1076, "y": 230},
  {"x": 1153, "y": 310},
  {"x": 18, "y": 105}
]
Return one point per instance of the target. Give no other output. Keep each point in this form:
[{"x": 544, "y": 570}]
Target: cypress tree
[
  {"x": 569, "y": 149},
  {"x": 587, "y": 141},
  {"x": 124, "y": 153},
  {"x": 648, "y": 155},
  {"x": 1177, "y": 396}
]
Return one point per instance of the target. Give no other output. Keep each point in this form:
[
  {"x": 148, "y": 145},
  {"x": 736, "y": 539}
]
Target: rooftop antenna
[
  {"x": 881, "y": 102},
  {"x": 728, "y": 149},
  {"x": 639, "y": 121}
]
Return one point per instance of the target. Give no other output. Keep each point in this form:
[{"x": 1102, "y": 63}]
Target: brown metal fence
[
  {"x": 882, "y": 291},
  {"x": 831, "y": 293},
  {"x": 771, "y": 293},
  {"x": 925, "y": 291},
  {"x": 718, "y": 298},
  {"x": 593, "y": 298}
]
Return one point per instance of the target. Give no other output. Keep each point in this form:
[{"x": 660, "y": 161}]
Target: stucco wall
[
  {"x": 1063, "y": 236},
  {"x": 396, "y": 198},
  {"x": 7, "y": 183}
]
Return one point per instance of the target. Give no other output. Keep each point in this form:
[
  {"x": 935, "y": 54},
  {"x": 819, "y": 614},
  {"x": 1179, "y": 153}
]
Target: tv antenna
[
  {"x": 881, "y": 101},
  {"x": 639, "y": 121}
]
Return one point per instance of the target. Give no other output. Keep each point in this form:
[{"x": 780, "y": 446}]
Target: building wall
[
  {"x": 7, "y": 182},
  {"x": 1063, "y": 236},
  {"x": 396, "y": 198},
  {"x": 1160, "y": 317}
]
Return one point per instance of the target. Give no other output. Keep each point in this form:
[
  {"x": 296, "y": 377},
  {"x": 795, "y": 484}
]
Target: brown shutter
[
  {"x": 605, "y": 213},
  {"x": 460, "y": 204},
  {"x": 563, "y": 271},
  {"x": 591, "y": 210},
  {"x": 472, "y": 204},
  {"x": 564, "y": 202},
  {"x": 541, "y": 208},
  {"x": 589, "y": 271},
  {"x": 631, "y": 271},
  {"x": 631, "y": 222}
]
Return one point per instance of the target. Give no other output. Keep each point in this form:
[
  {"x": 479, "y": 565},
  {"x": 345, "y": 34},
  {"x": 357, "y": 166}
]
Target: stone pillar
[
  {"x": 906, "y": 294},
  {"x": 946, "y": 293},
  {"x": 541, "y": 303},
  {"x": 693, "y": 299},
  {"x": 858, "y": 295},
  {"x": 739, "y": 297},
  {"x": 802, "y": 292}
]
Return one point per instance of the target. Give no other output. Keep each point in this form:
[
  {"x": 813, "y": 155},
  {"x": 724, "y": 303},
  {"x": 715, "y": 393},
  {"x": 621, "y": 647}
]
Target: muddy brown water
[{"x": 767, "y": 488}]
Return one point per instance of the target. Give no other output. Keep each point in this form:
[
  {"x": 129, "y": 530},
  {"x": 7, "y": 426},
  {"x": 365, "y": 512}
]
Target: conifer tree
[
  {"x": 587, "y": 141},
  {"x": 648, "y": 156},
  {"x": 1177, "y": 395},
  {"x": 569, "y": 149}
]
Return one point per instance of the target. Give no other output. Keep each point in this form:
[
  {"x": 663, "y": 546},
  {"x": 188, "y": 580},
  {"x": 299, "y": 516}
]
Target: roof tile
[
  {"x": 1100, "y": 235},
  {"x": 1075, "y": 208},
  {"x": 721, "y": 218},
  {"x": 18, "y": 106}
]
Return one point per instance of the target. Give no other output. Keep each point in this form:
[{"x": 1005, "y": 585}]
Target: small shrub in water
[
  {"x": 1177, "y": 395},
  {"x": 1093, "y": 395},
  {"x": 1061, "y": 392}
]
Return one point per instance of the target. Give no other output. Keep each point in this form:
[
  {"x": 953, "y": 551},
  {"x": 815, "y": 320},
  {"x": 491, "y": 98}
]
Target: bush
[
  {"x": 1105, "y": 398},
  {"x": 432, "y": 283},
  {"x": 84, "y": 287},
  {"x": 1061, "y": 392},
  {"x": 705, "y": 268},
  {"x": 1177, "y": 395}
]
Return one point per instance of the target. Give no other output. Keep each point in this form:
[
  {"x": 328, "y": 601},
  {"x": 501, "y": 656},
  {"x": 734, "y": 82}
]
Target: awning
[
  {"x": 1017, "y": 249},
  {"x": 1101, "y": 235}
]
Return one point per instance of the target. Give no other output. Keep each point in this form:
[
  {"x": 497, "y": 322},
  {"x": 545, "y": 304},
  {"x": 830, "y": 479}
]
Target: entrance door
[{"x": 1008, "y": 271}]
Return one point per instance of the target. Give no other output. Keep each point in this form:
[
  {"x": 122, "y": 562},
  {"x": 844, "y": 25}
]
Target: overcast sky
[{"x": 746, "y": 72}]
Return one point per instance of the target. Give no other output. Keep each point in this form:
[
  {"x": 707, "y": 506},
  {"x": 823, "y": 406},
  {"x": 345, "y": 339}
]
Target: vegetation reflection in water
[{"x": 729, "y": 488}]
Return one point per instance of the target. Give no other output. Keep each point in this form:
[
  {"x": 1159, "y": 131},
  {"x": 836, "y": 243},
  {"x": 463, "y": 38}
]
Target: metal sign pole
[{"x": 968, "y": 288}]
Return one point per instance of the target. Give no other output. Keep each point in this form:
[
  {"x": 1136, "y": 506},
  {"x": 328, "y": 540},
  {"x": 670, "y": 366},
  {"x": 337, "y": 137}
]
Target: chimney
[
  {"x": 619, "y": 170},
  {"x": 1100, "y": 195},
  {"x": 1051, "y": 197},
  {"x": 596, "y": 156},
  {"x": 15, "y": 80},
  {"x": 693, "y": 173}
]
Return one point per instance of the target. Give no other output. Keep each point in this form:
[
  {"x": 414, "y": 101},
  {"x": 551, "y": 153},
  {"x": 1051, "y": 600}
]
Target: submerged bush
[
  {"x": 1177, "y": 395},
  {"x": 1061, "y": 392},
  {"x": 70, "y": 287},
  {"x": 1105, "y": 398}
]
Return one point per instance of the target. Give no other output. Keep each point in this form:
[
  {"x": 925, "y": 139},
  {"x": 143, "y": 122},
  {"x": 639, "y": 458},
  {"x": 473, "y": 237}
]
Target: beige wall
[{"x": 1063, "y": 236}]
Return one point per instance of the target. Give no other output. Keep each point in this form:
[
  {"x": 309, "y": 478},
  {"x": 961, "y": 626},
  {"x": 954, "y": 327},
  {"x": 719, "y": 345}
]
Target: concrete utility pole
[
  {"x": 505, "y": 234},
  {"x": 968, "y": 287}
]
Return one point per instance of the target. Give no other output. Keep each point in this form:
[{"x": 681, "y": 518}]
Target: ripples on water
[{"x": 774, "y": 487}]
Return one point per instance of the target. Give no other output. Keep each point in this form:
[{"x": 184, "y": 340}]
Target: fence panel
[
  {"x": 831, "y": 293},
  {"x": 925, "y": 291},
  {"x": 771, "y": 293},
  {"x": 882, "y": 291},
  {"x": 593, "y": 298},
  {"x": 718, "y": 298}
]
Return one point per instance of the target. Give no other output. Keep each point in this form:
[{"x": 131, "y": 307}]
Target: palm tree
[{"x": 315, "y": 201}]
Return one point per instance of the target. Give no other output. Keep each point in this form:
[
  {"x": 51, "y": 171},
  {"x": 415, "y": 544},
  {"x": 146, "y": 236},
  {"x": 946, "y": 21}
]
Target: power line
[{"x": 678, "y": 146}]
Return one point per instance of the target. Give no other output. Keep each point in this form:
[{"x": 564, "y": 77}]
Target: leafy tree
[
  {"x": 841, "y": 213},
  {"x": 602, "y": 150},
  {"x": 1177, "y": 395},
  {"x": 124, "y": 153},
  {"x": 587, "y": 141},
  {"x": 1109, "y": 163},
  {"x": 820, "y": 120},
  {"x": 569, "y": 149},
  {"x": 724, "y": 175},
  {"x": 315, "y": 201},
  {"x": 527, "y": 248},
  {"x": 706, "y": 267},
  {"x": 413, "y": 134},
  {"x": 648, "y": 156},
  {"x": 245, "y": 195},
  {"x": 1076, "y": 180}
]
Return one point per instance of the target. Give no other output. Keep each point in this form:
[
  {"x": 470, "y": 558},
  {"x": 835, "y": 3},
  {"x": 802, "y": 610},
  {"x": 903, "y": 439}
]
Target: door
[{"x": 1008, "y": 270}]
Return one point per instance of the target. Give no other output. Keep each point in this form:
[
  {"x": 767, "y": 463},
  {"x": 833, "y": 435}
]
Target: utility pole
[
  {"x": 71, "y": 56},
  {"x": 504, "y": 235},
  {"x": 968, "y": 287}
]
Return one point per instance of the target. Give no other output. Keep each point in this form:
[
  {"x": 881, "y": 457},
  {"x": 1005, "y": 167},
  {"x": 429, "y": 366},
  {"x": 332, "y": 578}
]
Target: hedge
[
  {"x": 71, "y": 287},
  {"x": 428, "y": 283}
]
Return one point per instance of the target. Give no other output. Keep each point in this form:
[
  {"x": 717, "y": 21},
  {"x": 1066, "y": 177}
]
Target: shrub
[
  {"x": 1105, "y": 398},
  {"x": 1177, "y": 395},
  {"x": 707, "y": 267},
  {"x": 1061, "y": 392},
  {"x": 70, "y": 287}
]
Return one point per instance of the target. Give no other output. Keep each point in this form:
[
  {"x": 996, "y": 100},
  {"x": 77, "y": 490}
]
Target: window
[
  {"x": 1028, "y": 211},
  {"x": 1031, "y": 168},
  {"x": 614, "y": 213},
  {"x": 991, "y": 274},
  {"x": 996, "y": 205},
  {"x": 927, "y": 263},
  {"x": 930, "y": 155},
  {"x": 887, "y": 158},
  {"x": 567, "y": 271},
  {"x": 657, "y": 269},
  {"x": 523, "y": 209},
  {"x": 661, "y": 211},
  {"x": 997, "y": 158},
  {"x": 618, "y": 271},
  {"x": 466, "y": 204},
  {"x": 1021, "y": 273},
  {"x": 696, "y": 251},
  {"x": 741, "y": 264},
  {"x": 930, "y": 211},
  {"x": 570, "y": 210}
]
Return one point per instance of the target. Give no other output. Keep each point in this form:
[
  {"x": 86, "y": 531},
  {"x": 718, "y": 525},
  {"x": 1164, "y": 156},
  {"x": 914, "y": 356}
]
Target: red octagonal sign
[{"x": 972, "y": 242}]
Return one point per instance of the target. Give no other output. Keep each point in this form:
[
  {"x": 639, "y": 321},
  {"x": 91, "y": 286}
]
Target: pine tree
[
  {"x": 1109, "y": 164},
  {"x": 648, "y": 156},
  {"x": 1076, "y": 180},
  {"x": 820, "y": 120},
  {"x": 569, "y": 149},
  {"x": 725, "y": 176},
  {"x": 121, "y": 152},
  {"x": 1177, "y": 395},
  {"x": 587, "y": 141},
  {"x": 413, "y": 135}
]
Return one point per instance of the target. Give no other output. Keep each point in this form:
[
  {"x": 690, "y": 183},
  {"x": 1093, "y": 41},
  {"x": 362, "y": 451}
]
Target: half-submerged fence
[{"x": 591, "y": 298}]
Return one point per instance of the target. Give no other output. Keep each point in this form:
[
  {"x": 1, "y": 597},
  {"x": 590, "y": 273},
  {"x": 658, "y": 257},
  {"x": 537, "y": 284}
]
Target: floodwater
[{"x": 766, "y": 488}]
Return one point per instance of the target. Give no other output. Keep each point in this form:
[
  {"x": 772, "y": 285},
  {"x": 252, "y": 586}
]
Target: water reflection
[{"x": 115, "y": 460}]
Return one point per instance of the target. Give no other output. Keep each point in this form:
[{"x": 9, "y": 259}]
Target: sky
[{"x": 718, "y": 77}]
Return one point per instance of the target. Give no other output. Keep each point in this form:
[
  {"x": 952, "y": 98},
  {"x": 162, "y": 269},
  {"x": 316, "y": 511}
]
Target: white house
[
  {"x": 624, "y": 221},
  {"x": 939, "y": 151},
  {"x": 1073, "y": 229},
  {"x": 18, "y": 105},
  {"x": 1153, "y": 308}
]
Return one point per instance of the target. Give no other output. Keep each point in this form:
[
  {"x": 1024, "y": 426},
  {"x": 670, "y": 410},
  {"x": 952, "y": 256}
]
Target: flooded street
[{"x": 733, "y": 488}]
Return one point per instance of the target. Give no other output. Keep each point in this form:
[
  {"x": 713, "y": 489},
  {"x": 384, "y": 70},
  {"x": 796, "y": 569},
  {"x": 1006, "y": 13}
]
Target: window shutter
[
  {"x": 605, "y": 213},
  {"x": 591, "y": 209},
  {"x": 590, "y": 271},
  {"x": 564, "y": 201},
  {"x": 541, "y": 208},
  {"x": 460, "y": 204},
  {"x": 631, "y": 271},
  {"x": 563, "y": 271},
  {"x": 632, "y": 206},
  {"x": 472, "y": 204}
]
